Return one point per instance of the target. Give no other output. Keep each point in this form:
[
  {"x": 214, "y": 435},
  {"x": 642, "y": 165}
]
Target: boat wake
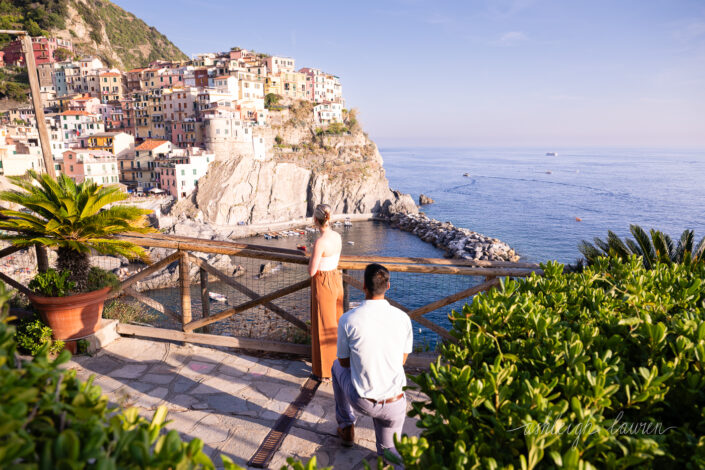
[{"x": 456, "y": 189}]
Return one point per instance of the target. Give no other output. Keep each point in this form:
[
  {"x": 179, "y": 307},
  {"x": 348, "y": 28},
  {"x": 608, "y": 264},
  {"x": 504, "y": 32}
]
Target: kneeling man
[{"x": 374, "y": 341}]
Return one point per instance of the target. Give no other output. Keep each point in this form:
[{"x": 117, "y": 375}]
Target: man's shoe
[{"x": 347, "y": 435}]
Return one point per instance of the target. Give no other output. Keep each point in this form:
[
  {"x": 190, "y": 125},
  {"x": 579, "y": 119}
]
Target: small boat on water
[
  {"x": 351, "y": 242},
  {"x": 337, "y": 224},
  {"x": 548, "y": 172},
  {"x": 217, "y": 297},
  {"x": 551, "y": 154},
  {"x": 467, "y": 175},
  {"x": 347, "y": 222},
  {"x": 578, "y": 219}
]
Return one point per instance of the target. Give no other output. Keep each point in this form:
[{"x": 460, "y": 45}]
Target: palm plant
[
  {"x": 73, "y": 218},
  {"x": 659, "y": 248}
]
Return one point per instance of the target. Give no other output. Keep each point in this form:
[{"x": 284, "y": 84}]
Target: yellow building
[
  {"x": 273, "y": 84},
  {"x": 156, "y": 127},
  {"x": 293, "y": 85},
  {"x": 111, "y": 87},
  {"x": 117, "y": 143}
]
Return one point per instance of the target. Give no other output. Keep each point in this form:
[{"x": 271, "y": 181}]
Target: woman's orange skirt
[{"x": 326, "y": 310}]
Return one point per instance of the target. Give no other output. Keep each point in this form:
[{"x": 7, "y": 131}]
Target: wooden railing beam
[
  {"x": 205, "y": 298},
  {"x": 442, "y": 332},
  {"x": 247, "y": 305},
  {"x": 249, "y": 293},
  {"x": 151, "y": 269},
  {"x": 150, "y": 302},
  {"x": 453, "y": 298},
  {"x": 185, "y": 284}
]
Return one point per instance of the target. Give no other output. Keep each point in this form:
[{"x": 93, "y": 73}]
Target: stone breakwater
[{"x": 457, "y": 242}]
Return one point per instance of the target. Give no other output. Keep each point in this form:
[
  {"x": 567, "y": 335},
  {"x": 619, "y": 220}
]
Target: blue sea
[{"x": 531, "y": 201}]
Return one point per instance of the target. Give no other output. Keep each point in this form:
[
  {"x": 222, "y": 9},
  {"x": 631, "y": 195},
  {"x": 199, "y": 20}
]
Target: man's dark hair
[{"x": 376, "y": 279}]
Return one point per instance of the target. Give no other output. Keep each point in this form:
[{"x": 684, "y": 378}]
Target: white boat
[
  {"x": 337, "y": 224},
  {"x": 551, "y": 154},
  {"x": 217, "y": 297},
  {"x": 347, "y": 222},
  {"x": 467, "y": 175},
  {"x": 351, "y": 242}
]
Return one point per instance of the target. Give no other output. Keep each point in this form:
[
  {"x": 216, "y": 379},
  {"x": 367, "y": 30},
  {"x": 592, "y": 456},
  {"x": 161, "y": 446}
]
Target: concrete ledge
[
  {"x": 420, "y": 360},
  {"x": 104, "y": 336}
]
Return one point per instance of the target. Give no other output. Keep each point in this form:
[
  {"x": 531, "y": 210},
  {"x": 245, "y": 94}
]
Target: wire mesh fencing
[{"x": 257, "y": 277}]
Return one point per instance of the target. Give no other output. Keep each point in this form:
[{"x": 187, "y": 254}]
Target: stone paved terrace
[{"x": 229, "y": 400}]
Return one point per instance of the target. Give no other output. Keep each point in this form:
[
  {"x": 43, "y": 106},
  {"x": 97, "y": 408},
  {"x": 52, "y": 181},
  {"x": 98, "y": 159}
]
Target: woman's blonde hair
[{"x": 322, "y": 214}]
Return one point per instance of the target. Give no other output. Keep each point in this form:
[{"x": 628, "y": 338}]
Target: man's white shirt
[{"x": 375, "y": 336}]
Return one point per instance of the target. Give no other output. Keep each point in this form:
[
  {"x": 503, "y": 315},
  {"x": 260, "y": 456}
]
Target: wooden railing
[{"x": 183, "y": 253}]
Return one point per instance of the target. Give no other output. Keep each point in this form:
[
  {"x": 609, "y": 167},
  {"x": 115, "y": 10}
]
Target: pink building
[
  {"x": 179, "y": 173},
  {"x": 44, "y": 49},
  {"x": 98, "y": 166}
]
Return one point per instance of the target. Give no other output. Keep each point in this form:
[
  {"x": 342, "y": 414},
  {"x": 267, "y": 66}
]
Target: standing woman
[{"x": 326, "y": 293}]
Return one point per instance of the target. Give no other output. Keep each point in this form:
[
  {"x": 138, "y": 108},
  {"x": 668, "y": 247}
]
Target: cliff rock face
[{"x": 304, "y": 167}]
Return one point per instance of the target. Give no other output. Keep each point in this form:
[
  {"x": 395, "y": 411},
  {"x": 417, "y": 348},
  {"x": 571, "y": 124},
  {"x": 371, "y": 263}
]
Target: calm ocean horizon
[{"x": 531, "y": 201}]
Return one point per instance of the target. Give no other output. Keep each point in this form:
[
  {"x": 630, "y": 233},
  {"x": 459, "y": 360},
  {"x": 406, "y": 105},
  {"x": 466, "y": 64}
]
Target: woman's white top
[{"x": 329, "y": 263}]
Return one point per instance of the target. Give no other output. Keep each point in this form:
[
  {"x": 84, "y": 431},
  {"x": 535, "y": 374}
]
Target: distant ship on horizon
[{"x": 551, "y": 154}]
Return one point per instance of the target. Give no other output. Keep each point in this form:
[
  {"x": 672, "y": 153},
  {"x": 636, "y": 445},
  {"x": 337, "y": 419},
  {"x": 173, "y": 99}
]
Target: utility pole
[
  {"x": 36, "y": 98},
  {"x": 28, "y": 49}
]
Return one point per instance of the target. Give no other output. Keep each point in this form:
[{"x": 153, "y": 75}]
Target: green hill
[{"x": 96, "y": 27}]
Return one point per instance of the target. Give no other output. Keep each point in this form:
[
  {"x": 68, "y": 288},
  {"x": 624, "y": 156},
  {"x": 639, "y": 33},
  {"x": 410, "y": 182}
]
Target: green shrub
[
  {"x": 271, "y": 99},
  {"x": 52, "y": 420},
  {"x": 599, "y": 369},
  {"x": 32, "y": 335},
  {"x": 99, "y": 278},
  {"x": 128, "y": 312},
  {"x": 653, "y": 247},
  {"x": 52, "y": 283}
]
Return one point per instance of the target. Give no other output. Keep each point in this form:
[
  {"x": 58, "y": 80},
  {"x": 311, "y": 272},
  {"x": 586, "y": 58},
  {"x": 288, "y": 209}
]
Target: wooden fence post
[
  {"x": 42, "y": 258},
  {"x": 205, "y": 299},
  {"x": 185, "y": 289},
  {"x": 346, "y": 292}
]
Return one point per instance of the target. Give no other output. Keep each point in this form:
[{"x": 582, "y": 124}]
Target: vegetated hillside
[{"x": 96, "y": 27}]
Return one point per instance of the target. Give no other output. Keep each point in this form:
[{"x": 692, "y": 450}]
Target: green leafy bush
[
  {"x": 52, "y": 420},
  {"x": 52, "y": 283},
  {"x": 99, "y": 278},
  {"x": 271, "y": 99},
  {"x": 33, "y": 334},
  {"x": 659, "y": 248},
  {"x": 599, "y": 369}
]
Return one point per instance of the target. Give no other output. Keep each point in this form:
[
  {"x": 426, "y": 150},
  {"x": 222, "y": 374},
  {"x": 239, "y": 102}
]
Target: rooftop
[
  {"x": 73, "y": 112},
  {"x": 151, "y": 144}
]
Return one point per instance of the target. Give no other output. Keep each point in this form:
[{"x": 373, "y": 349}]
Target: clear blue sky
[{"x": 481, "y": 72}]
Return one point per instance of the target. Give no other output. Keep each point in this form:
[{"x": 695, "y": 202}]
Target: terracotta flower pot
[{"x": 72, "y": 317}]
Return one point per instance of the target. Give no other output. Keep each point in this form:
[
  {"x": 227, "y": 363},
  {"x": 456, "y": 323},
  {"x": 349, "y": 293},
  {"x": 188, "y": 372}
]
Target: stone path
[{"x": 229, "y": 400}]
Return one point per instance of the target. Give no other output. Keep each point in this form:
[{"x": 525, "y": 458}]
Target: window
[
  {"x": 183, "y": 172},
  {"x": 194, "y": 171}
]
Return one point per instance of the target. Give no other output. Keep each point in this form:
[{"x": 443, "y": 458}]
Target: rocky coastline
[{"x": 457, "y": 242}]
